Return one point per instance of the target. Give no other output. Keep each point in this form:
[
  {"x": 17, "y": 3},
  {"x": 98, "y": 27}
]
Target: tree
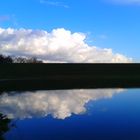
[
  {"x": 9, "y": 59},
  {"x": 5, "y": 59}
]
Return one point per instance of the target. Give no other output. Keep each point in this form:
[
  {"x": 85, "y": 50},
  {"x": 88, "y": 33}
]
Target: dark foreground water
[{"x": 96, "y": 114}]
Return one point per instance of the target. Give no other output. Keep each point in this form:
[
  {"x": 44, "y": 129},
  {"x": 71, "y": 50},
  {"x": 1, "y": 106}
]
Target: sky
[{"x": 71, "y": 30}]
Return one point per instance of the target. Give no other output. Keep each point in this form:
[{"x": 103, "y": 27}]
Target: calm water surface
[{"x": 96, "y": 114}]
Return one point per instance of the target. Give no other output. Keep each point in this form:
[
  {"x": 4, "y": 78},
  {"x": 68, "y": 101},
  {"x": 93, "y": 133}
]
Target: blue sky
[{"x": 107, "y": 23}]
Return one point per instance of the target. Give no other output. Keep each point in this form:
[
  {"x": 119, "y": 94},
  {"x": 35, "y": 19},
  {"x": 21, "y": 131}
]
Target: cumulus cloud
[
  {"x": 60, "y": 104},
  {"x": 126, "y": 1},
  {"x": 59, "y": 45}
]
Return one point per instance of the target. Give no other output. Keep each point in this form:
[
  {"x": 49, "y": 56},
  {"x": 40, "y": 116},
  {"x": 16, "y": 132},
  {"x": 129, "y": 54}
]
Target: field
[{"x": 68, "y": 76}]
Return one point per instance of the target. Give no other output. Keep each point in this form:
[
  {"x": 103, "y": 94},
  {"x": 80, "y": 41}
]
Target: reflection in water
[
  {"x": 60, "y": 103},
  {"x": 4, "y": 125}
]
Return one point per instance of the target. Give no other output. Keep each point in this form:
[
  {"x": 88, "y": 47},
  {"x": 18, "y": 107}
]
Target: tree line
[{"x": 10, "y": 59}]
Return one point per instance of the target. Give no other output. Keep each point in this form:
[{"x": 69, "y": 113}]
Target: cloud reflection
[{"x": 60, "y": 103}]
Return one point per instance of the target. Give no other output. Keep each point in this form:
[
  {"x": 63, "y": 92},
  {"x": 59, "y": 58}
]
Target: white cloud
[
  {"x": 136, "y": 2},
  {"x": 60, "y": 104},
  {"x": 54, "y": 3},
  {"x": 60, "y": 45}
]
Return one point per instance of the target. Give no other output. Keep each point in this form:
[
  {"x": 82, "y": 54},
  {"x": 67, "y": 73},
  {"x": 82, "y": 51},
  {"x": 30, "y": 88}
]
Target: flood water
[{"x": 93, "y": 114}]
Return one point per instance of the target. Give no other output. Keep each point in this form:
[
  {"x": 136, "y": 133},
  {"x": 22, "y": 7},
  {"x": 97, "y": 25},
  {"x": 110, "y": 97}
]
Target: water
[{"x": 99, "y": 114}]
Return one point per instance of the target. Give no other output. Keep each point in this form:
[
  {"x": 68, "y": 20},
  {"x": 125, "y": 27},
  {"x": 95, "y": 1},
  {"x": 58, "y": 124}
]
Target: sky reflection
[
  {"x": 73, "y": 114},
  {"x": 60, "y": 103}
]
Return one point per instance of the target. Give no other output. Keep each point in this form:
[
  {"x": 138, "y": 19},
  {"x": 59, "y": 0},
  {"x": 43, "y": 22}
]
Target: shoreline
[{"x": 24, "y": 77}]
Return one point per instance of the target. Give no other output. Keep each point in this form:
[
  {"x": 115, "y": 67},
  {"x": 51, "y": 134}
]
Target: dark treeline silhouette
[
  {"x": 5, "y": 59},
  {"x": 9, "y": 59}
]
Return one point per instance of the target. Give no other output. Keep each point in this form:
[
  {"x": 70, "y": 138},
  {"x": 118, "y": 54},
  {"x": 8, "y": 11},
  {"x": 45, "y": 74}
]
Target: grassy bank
[{"x": 68, "y": 76}]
